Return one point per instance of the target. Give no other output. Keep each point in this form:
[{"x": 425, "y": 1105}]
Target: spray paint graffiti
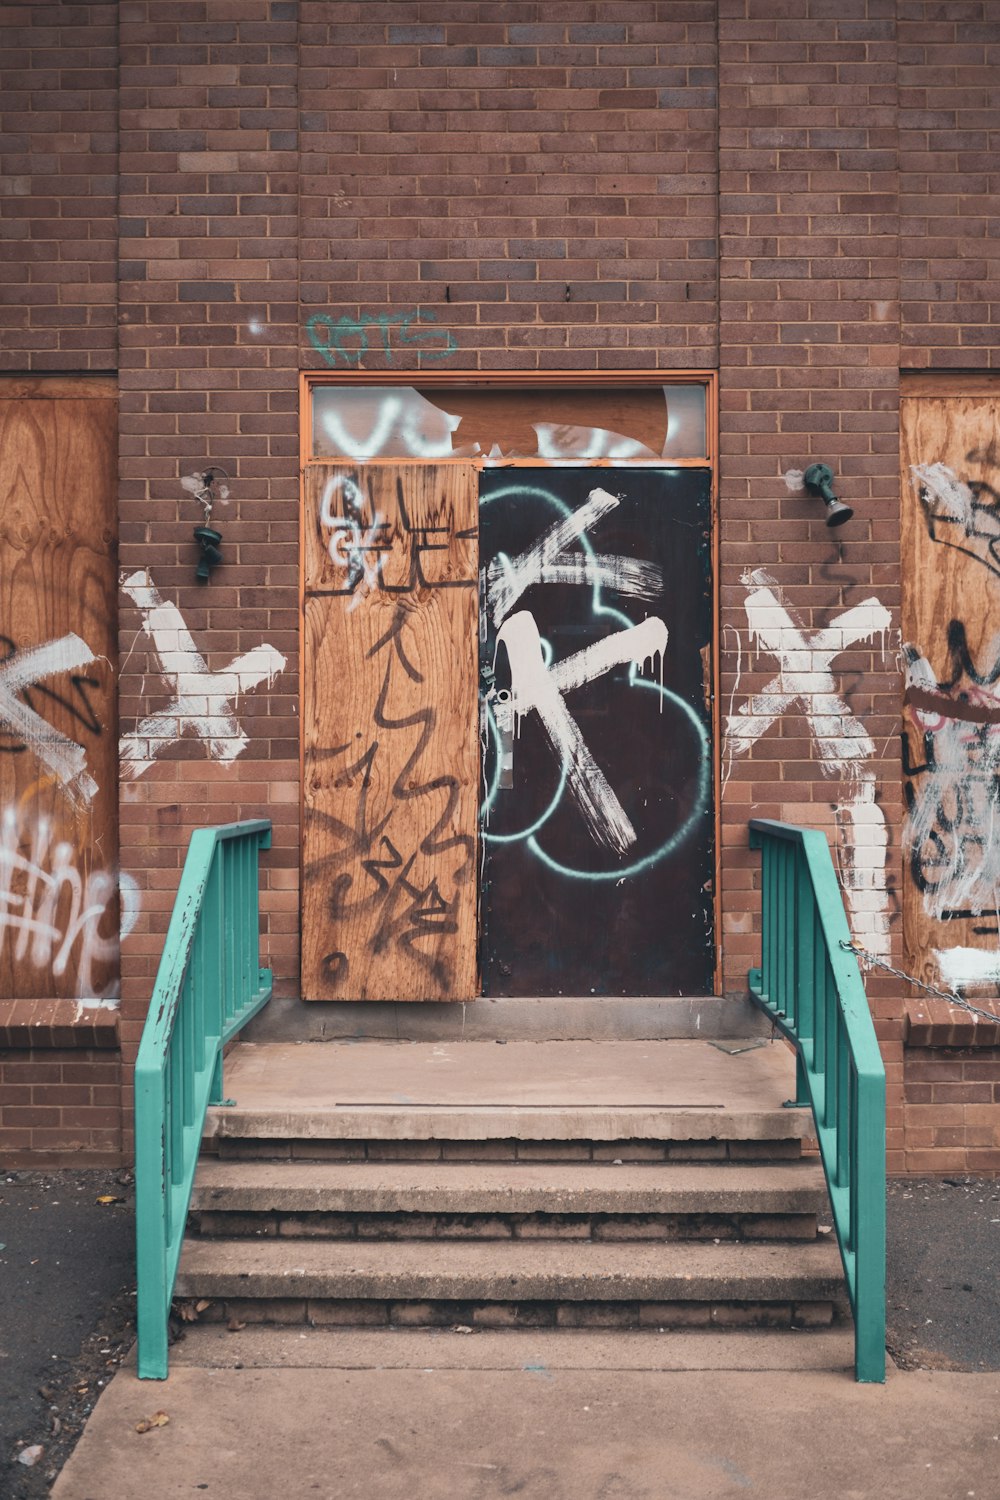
[
  {"x": 951, "y": 749},
  {"x": 66, "y": 760},
  {"x": 333, "y": 337},
  {"x": 805, "y": 680},
  {"x": 203, "y": 700},
  {"x": 952, "y": 828},
  {"x": 52, "y": 914},
  {"x": 595, "y": 770},
  {"x": 538, "y": 685}
]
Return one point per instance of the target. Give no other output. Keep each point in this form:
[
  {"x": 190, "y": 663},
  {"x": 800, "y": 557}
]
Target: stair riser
[
  {"x": 331, "y": 1312},
  {"x": 505, "y": 1226},
  {"x": 239, "y": 1148}
]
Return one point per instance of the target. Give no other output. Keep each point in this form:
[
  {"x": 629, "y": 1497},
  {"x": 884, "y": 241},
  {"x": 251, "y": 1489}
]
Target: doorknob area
[{"x": 818, "y": 479}]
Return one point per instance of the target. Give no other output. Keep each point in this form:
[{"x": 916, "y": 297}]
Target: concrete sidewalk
[{"x": 442, "y": 1416}]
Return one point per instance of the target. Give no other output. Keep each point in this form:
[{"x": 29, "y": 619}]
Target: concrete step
[
  {"x": 437, "y": 1187},
  {"x": 437, "y": 1200},
  {"x": 271, "y": 1148},
  {"x": 513, "y": 1284},
  {"x": 542, "y": 1351}
]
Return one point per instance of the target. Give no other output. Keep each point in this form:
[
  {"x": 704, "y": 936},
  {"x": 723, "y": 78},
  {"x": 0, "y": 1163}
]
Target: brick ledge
[
  {"x": 938, "y": 1023},
  {"x": 37, "y": 1024}
]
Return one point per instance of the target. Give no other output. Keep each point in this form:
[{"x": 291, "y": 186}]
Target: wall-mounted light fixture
[
  {"x": 207, "y": 487},
  {"x": 818, "y": 479}
]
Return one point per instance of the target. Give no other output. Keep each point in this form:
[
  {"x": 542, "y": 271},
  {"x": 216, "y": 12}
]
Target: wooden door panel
[
  {"x": 390, "y": 776},
  {"x": 59, "y": 913}
]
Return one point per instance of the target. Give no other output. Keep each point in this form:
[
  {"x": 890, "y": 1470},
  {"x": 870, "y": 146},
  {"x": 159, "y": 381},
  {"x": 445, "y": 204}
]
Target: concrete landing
[
  {"x": 538, "y": 1432},
  {"x": 482, "y": 1090}
]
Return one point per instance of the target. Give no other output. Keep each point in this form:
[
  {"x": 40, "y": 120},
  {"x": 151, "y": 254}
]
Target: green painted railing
[
  {"x": 208, "y": 985},
  {"x": 810, "y": 986}
]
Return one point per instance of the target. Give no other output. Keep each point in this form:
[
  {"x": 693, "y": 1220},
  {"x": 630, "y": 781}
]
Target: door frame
[{"x": 529, "y": 380}]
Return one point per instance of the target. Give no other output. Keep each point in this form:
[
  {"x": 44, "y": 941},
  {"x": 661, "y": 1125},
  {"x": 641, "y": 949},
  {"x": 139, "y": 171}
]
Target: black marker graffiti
[
  {"x": 409, "y": 909},
  {"x": 76, "y": 703}
]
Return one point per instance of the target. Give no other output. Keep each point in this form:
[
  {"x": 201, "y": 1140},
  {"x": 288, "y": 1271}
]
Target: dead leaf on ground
[
  {"x": 158, "y": 1419},
  {"x": 109, "y": 1198},
  {"x": 189, "y": 1312},
  {"x": 235, "y": 1326}
]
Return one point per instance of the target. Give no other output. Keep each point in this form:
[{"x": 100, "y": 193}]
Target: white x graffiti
[
  {"x": 202, "y": 699},
  {"x": 804, "y": 676},
  {"x": 64, "y": 758}
]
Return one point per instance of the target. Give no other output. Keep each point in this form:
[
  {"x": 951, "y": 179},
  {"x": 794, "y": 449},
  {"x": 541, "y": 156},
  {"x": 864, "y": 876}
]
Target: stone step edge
[
  {"x": 485, "y": 1271},
  {"x": 800, "y": 1316},
  {"x": 460, "y": 1123},
  {"x": 241, "y": 1187}
]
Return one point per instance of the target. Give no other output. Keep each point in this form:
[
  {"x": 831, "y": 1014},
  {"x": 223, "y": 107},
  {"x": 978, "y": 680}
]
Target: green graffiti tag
[{"x": 350, "y": 339}]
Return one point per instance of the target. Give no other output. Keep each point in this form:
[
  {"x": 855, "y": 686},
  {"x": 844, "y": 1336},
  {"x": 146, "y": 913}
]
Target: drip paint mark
[
  {"x": 805, "y": 679},
  {"x": 62, "y": 756},
  {"x": 333, "y": 337},
  {"x": 202, "y": 701}
]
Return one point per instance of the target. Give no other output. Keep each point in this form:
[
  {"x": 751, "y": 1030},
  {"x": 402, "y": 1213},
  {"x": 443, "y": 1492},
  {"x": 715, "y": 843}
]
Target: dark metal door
[{"x": 595, "y": 656}]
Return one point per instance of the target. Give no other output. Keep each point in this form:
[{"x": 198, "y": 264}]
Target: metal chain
[{"x": 929, "y": 989}]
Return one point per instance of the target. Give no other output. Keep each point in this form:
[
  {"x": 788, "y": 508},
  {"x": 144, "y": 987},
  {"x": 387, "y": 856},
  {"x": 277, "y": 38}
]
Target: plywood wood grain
[
  {"x": 58, "y": 725},
  {"x": 390, "y": 694},
  {"x": 951, "y": 715}
]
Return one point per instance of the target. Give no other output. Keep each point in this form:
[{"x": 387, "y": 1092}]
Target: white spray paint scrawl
[
  {"x": 64, "y": 758},
  {"x": 51, "y": 912},
  {"x": 202, "y": 702},
  {"x": 804, "y": 678}
]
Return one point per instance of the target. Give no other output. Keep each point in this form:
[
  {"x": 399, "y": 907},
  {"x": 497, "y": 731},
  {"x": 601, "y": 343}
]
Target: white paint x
[
  {"x": 805, "y": 680},
  {"x": 65, "y": 759},
  {"x": 537, "y": 686},
  {"x": 550, "y": 561},
  {"x": 202, "y": 701}
]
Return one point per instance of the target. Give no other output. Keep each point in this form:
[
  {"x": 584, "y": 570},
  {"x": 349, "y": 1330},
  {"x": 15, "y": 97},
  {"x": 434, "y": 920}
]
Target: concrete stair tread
[
  {"x": 509, "y": 1271},
  {"x": 683, "y": 1090},
  {"x": 509, "y": 1187}
]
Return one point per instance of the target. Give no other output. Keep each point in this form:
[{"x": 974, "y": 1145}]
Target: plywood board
[
  {"x": 59, "y": 910},
  {"x": 390, "y": 776},
  {"x": 951, "y": 715}
]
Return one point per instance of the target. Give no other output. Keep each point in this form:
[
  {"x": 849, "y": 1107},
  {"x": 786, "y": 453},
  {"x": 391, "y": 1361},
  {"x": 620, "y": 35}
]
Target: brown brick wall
[
  {"x": 949, "y": 140},
  {"x": 209, "y": 301},
  {"x": 58, "y": 1104},
  {"x": 537, "y": 179},
  {"x": 809, "y": 359},
  {"x": 543, "y": 185},
  {"x": 58, "y": 166},
  {"x": 952, "y": 1111}
]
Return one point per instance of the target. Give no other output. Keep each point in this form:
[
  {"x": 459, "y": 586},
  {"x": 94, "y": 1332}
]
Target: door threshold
[{"x": 543, "y": 1019}]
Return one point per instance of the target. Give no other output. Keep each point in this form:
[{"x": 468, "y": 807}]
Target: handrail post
[
  {"x": 822, "y": 1008},
  {"x": 201, "y": 998}
]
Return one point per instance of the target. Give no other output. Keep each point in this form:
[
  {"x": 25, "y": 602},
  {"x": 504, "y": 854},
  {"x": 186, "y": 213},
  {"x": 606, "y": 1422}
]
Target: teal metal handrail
[
  {"x": 810, "y": 987},
  {"x": 208, "y": 985}
]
